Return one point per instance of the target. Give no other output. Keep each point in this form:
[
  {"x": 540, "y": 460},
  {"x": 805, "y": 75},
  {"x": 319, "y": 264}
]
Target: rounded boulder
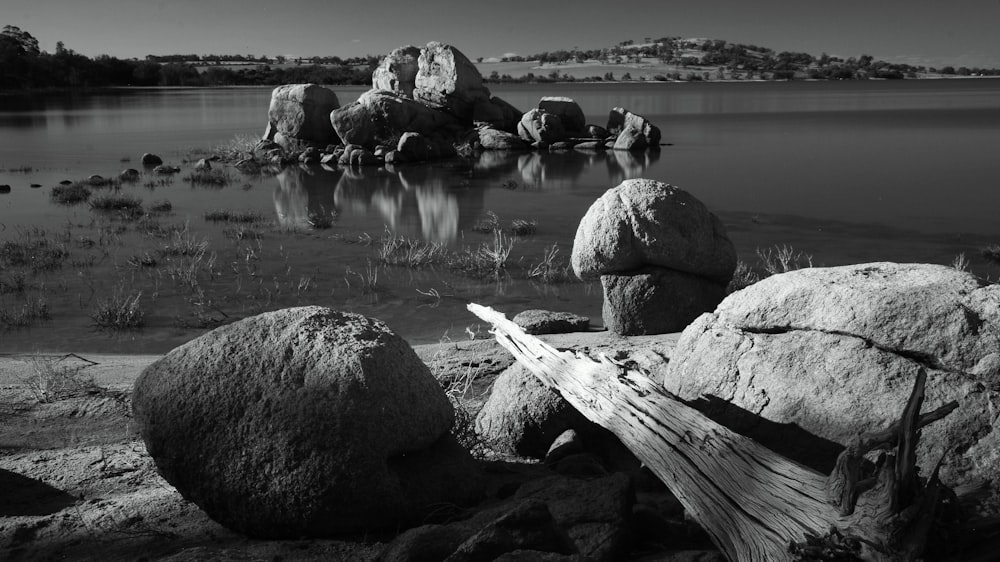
[
  {"x": 645, "y": 222},
  {"x": 302, "y": 422}
]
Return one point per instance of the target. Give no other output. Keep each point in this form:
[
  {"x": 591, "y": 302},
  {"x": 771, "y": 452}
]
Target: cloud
[{"x": 355, "y": 40}]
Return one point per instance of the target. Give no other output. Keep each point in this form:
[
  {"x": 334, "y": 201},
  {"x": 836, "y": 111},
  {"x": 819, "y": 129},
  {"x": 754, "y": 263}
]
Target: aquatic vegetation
[
  {"x": 162, "y": 206},
  {"x": 144, "y": 259},
  {"x": 321, "y": 221},
  {"x": 14, "y": 282},
  {"x": 522, "y": 227},
  {"x": 184, "y": 243},
  {"x": 488, "y": 223},
  {"x": 70, "y": 194},
  {"x": 33, "y": 309},
  {"x": 961, "y": 262},
  {"x": 209, "y": 178},
  {"x": 242, "y": 233},
  {"x": 116, "y": 202},
  {"x": 120, "y": 311},
  {"x": 34, "y": 249},
  {"x": 399, "y": 250},
  {"x": 225, "y": 215},
  {"x": 488, "y": 260},
  {"x": 552, "y": 269},
  {"x": 239, "y": 147}
]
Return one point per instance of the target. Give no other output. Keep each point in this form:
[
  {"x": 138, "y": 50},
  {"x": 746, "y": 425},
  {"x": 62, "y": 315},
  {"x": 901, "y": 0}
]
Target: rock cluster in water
[
  {"x": 428, "y": 103},
  {"x": 663, "y": 258}
]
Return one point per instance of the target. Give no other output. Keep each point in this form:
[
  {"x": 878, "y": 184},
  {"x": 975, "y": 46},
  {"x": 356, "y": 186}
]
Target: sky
[{"x": 931, "y": 32}]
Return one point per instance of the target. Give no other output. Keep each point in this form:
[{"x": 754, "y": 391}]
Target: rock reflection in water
[
  {"x": 438, "y": 202},
  {"x": 305, "y": 193}
]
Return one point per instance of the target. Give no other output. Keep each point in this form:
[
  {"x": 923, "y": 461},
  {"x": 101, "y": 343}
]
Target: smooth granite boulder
[
  {"x": 835, "y": 351},
  {"x": 303, "y": 422},
  {"x": 645, "y": 222}
]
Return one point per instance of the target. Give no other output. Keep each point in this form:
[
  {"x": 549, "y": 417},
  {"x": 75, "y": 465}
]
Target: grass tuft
[
  {"x": 242, "y": 217},
  {"x": 782, "y": 259},
  {"x": 552, "y": 269},
  {"x": 120, "y": 311},
  {"x": 49, "y": 381},
  {"x": 399, "y": 250},
  {"x": 30, "y": 311},
  {"x": 209, "y": 178},
  {"x": 70, "y": 194}
]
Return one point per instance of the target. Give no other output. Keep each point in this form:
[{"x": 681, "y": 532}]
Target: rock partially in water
[
  {"x": 650, "y": 223},
  {"x": 303, "y": 422},
  {"x": 568, "y": 111},
  {"x": 621, "y": 119},
  {"x": 300, "y": 112},
  {"x": 656, "y": 300},
  {"x": 379, "y": 117},
  {"x": 538, "y": 125},
  {"x": 129, "y": 175},
  {"x": 151, "y": 160}
]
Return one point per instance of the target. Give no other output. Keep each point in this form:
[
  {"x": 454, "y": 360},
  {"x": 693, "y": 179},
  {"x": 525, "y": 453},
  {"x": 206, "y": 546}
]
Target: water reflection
[{"x": 439, "y": 202}]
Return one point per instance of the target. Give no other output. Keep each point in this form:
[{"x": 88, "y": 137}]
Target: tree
[{"x": 24, "y": 40}]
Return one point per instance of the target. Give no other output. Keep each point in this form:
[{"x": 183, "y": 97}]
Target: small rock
[
  {"x": 523, "y": 416},
  {"x": 166, "y": 170},
  {"x": 151, "y": 160},
  {"x": 36, "y": 185},
  {"x": 537, "y": 322},
  {"x": 203, "y": 165},
  {"x": 129, "y": 175},
  {"x": 4, "y": 188},
  {"x": 568, "y": 443}
]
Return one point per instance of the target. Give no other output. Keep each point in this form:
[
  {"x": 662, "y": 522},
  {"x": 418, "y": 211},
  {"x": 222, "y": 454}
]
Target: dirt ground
[{"x": 76, "y": 482}]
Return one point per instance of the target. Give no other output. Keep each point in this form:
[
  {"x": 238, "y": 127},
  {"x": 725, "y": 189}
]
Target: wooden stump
[{"x": 754, "y": 503}]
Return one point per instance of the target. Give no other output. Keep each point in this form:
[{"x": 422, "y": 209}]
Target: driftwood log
[{"x": 754, "y": 503}]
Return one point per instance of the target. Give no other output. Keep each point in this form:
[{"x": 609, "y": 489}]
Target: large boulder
[
  {"x": 302, "y": 422},
  {"x": 620, "y": 119},
  {"x": 446, "y": 79},
  {"x": 381, "y": 117},
  {"x": 655, "y": 300},
  {"x": 302, "y": 112},
  {"x": 835, "y": 351},
  {"x": 498, "y": 113},
  {"x": 538, "y": 125},
  {"x": 568, "y": 111},
  {"x": 650, "y": 223},
  {"x": 398, "y": 71}
]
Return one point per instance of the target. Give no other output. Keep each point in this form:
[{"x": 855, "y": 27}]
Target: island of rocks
[{"x": 429, "y": 103}]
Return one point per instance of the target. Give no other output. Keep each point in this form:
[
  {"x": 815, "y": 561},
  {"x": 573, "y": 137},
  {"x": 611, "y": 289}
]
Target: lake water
[{"x": 846, "y": 172}]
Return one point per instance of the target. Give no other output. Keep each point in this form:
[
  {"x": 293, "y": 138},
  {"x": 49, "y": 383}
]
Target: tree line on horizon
[{"x": 24, "y": 66}]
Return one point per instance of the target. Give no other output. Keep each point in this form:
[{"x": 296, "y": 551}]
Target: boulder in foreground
[
  {"x": 303, "y": 422},
  {"x": 836, "y": 350}
]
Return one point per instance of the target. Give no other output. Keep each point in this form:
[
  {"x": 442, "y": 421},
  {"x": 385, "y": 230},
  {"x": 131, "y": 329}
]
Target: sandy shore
[{"x": 76, "y": 482}]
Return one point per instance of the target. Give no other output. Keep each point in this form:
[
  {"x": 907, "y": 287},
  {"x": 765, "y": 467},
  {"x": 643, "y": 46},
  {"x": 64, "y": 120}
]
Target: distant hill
[{"x": 676, "y": 58}]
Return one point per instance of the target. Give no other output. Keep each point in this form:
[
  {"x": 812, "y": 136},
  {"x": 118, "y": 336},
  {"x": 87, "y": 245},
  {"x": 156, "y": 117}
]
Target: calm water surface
[{"x": 846, "y": 172}]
